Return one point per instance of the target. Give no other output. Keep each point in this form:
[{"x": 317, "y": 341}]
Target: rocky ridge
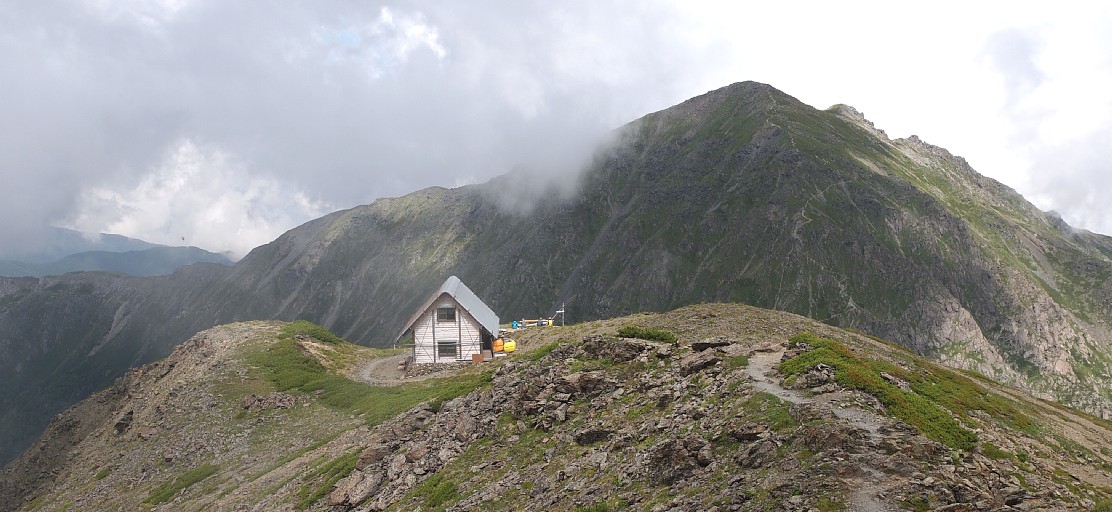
[{"x": 726, "y": 419}]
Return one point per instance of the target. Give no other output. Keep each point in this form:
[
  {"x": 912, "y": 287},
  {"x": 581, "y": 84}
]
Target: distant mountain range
[
  {"x": 743, "y": 194},
  {"x": 57, "y": 243},
  {"x": 155, "y": 261}
]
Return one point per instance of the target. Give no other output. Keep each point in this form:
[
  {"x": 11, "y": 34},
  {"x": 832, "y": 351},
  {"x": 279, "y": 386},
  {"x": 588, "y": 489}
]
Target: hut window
[
  {"x": 446, "y": 314},
  {"x": 446, "y": 349}
]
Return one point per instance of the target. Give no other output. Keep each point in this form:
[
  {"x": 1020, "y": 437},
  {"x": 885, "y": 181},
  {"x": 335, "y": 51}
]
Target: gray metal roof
[{"x": 466, "y": 299}]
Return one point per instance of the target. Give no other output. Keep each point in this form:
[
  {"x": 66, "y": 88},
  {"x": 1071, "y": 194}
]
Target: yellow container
[
  {"x": 509, "y": 346},
  {"x": 497, "y": 345}
]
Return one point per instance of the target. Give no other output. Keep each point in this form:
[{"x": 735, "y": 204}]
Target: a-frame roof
[{"x": 466, "y": 299}]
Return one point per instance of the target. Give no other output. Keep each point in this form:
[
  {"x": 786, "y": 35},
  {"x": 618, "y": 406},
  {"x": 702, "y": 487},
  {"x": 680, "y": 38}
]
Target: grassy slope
[{"x": 206, "y": 447}]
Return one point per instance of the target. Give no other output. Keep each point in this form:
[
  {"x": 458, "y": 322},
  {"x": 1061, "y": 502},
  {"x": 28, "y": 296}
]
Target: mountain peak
[
  {"x": 754, "y": 93},
  {"x": 746, "y": 87}
]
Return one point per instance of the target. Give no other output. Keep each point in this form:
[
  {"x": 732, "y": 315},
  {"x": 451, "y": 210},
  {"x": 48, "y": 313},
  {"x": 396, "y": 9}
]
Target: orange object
[{"x": 497, "y": 346}]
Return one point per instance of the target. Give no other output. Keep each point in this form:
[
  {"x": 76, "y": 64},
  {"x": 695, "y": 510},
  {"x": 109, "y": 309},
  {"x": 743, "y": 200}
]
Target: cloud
[
  {"x": 379, "y": 46},
  {"x": 344, "y": 102},
  {"x": 1013, "y": 52},
  {"x": 1056, "y": 76},
  {"x": 1074, "y": 179},
  {"x": 198, "y": 196}
]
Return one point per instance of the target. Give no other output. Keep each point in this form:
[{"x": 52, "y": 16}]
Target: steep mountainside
[
  {"x": 742, "y": 194},
  {"x": 63, "y": 337},
  {"x": 748, "y": 409},
  {"x": 156, "y": 261}
]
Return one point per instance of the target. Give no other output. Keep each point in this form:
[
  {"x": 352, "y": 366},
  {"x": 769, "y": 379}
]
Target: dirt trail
[
  {"x": 759, "y": 368},
  {"x": 866, "y": 491},
  {"x": 383, "y": 371}
]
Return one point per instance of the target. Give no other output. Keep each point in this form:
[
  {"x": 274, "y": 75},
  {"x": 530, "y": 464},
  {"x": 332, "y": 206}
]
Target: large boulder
[
  {"x": 619, "y": 350},
  {"x": 698, "y": 361}
]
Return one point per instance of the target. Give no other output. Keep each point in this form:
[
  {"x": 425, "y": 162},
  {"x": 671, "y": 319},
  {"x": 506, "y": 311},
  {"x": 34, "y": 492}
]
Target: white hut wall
[{"x": 446, "y": 338}]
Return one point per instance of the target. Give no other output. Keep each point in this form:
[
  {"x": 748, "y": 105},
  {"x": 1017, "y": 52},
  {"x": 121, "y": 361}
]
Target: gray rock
[
  {"x": 591, "y": 436},
  {"x": 124, "y": 423},
  {"x": 587, "y": 383},
  {"x": 749, "y": 432},
  {"x": 619, "y": 350},
  {"x": 669, "y": 462},
  {"x": 1014, "y": 496},
  {"x": 355, "y": 489},
  {"x": 709, "y": 343},
  {"x": 698, "y": 361},
  {"x": 758, "y": 454},
  {"x": 734, "y": 350},
  {"x": 895, "y": 381},
  {"x": 768, "y": 346}
]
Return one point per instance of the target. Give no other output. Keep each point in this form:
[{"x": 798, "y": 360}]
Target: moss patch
[
  {"x": 307, "y": 328},
  {"x": 320, "y": 481},
  {"x": 168, "y": 490},
  {"x": 768, "y": 409},
  {"x": 436, "y": 492},
  {"x": 647, "y": 333}
]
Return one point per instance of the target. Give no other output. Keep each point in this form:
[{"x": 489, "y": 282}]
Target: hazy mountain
[
  {"x": 156, "y": 261},
  {"x": 57, "y": 243},
  {"x": 748, "y": 410},
  {"x": 743, "y": 194}
]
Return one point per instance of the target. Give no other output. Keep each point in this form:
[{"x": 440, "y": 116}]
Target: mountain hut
[{"x": 451, "y": 326}]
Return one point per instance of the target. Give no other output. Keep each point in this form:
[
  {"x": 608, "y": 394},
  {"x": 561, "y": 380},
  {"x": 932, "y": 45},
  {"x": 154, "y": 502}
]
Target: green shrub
[
  {"x": 916, "y": 503},
  {"x": 1104, "y": 505},
  {"x": 737, "y": 361},
  {"x": 596, "y": 507},
  {"x": 767, "y": 408},
  {"x": 436, "y": 491},
  {"x": 102, "y": 474},
  {"x": 646, "y": 333},
  {"x": 544, "y": 350},
  {"x": 309, "y": 329},
  {"x": 167, "y": 491},
  {"x": 994, "y": 452},
  {"x": 828, "y": 504}
]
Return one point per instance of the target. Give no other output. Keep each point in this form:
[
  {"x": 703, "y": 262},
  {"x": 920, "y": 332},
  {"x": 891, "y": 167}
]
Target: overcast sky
[{"x": 227, "y": 123}]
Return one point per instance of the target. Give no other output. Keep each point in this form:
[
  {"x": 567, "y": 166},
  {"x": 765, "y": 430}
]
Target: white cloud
[
  {"x": 351, "y": 101},
  {"x": 383, "y": 44},
  {"x": 149, "y": 14},
  {"x": 199, "y": 195},
  {"x": 1058, "y": 111}
]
